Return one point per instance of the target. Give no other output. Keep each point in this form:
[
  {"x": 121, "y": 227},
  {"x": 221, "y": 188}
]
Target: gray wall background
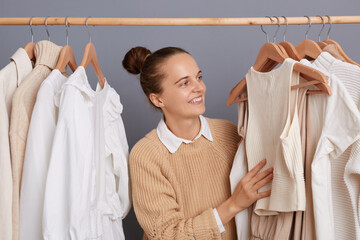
[{"x": 224, "y": 53}]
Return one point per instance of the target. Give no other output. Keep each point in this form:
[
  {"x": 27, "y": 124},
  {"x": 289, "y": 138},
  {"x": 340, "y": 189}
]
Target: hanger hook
[
  {"x": 67, "y": 30},
  {"x": 31, "y": 30},
  {"x": 286, "y": 26},
  {"x": 262, "y": 29},
  {"x": 47, "y": 31},
  {"x": 87, "y": 29},
  {"x": 277, "y": 30},
  {"x": 308, "y": 27},
  {"x": 323, "y": 20},
  {"x": 328, "y": 33}
]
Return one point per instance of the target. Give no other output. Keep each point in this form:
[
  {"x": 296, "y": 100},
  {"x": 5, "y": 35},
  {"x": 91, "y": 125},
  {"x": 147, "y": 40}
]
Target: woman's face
[{"x": 183, "y": 91}]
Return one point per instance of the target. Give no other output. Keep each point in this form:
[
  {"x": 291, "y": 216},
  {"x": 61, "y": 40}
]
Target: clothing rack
[{"x": 178, "y": 21}]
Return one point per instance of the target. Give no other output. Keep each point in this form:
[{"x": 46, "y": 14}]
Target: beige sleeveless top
[{"x": 273, "y": 133}]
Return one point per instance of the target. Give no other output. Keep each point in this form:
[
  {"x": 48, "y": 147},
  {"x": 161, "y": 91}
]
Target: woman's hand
[{"x": 246, "y": 192}]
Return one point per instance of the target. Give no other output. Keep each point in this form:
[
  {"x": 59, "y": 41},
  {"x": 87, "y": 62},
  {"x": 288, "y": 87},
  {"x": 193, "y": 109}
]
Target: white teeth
[{"x": 196, "y": 100}]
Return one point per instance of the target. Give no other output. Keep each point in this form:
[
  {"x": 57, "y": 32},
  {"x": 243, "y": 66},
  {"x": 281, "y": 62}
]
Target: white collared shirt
[
  {"x": 87, "y": 179},
  {"x": 172, "y": 143}
]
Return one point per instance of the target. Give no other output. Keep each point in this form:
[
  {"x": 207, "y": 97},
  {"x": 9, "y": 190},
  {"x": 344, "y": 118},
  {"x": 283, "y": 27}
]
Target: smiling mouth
[{"x": 196, "y": 100}]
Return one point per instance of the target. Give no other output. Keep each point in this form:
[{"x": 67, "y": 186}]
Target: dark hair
[{"x": 141, "y": 60}]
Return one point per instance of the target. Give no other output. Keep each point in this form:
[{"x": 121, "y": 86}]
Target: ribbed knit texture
[
  {"x": 346, "y": 213},
  {"x": 10, "y": 78},
  {"x": 273, "y": 133},
  {"x": 46, "y": 54},
  {"x": 174, "y": 194},
  {"x": 281, "y": 226}
]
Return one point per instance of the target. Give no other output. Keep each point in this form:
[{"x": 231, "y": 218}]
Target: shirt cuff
[{"x": 218, "y": 221}]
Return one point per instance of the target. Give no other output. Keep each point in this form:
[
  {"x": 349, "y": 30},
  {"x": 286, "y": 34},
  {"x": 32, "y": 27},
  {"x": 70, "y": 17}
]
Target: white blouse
[
  {"x": 87, "y": 189},
  {"x": 37, "y": 156}
]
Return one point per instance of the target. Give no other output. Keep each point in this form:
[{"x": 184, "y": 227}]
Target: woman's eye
[{"x": 185, "y": 83}]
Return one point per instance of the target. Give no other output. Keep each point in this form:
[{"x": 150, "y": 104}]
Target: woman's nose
[{"x": 198, "y": 86}]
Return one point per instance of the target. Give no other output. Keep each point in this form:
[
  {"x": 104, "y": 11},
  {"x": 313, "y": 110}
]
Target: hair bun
[{"x": 135, "y": 59}]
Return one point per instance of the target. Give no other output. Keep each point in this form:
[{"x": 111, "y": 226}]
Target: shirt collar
[
  {"x": 172, "y": 142},
  {"x": 23, "y": 64}
]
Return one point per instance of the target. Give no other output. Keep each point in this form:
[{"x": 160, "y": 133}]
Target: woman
[{"x": 180, "y": 170}]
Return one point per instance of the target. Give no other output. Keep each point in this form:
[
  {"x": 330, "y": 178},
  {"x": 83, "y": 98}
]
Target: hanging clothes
[
  {"x": 273, "y": 133},
  {"x": 11, "y": 77},
  {"x": 239, "y": 170},
  {"x": 298, "y": 216},
  {"x": 37, "y": 157},
  {"x": 46, "y": 54},
  {"x": 87, "y": 187},
  {"x": 265, "y": 227},
  {"x": 343, "y": 202},
  {"x": 335, "y": 135}
]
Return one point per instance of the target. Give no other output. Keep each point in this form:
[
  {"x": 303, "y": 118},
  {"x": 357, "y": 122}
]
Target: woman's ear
[{"x": 156, "y": 100}]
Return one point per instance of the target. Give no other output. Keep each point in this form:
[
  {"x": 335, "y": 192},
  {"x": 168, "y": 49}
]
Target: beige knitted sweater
[
  {"x": 47, "y": 54},
  {"x": 174, "y": 194}
]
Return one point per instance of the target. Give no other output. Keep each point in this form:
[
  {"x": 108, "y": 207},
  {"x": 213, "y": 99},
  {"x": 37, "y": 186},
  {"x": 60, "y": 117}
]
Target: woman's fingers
[
  {"x": 261, "y": 175},
  {"x": 264, "y": 194},
  {"x": 254, "y": 171},
  {"x": 263, "y": 181}
]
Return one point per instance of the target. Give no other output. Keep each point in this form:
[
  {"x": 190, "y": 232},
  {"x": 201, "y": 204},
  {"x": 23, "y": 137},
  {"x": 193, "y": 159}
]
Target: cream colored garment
[
  {"x": 346, "y": 169},
  {"x": 298, "y": 222},
  {"x": 337, "y": 122},
  {"x": 46, "y": 54},
  {"x": 10, "y": 78},
  {"x": 273, "y": 133},
  {"x": 280, "y": 226}
]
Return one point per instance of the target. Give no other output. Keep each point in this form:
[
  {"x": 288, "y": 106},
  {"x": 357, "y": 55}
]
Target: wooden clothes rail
[{"x": 177, "y": 21}]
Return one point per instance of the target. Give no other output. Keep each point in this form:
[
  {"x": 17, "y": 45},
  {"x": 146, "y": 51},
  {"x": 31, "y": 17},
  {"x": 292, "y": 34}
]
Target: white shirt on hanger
[
  {"x": 37, "y": 156},
  {"x": 87, "y": 188},
  {"x": 338, "y": 121}
]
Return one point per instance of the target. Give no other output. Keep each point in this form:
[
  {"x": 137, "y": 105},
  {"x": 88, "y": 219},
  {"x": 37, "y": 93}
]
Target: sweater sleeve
[{"x": 155, "y": 201}]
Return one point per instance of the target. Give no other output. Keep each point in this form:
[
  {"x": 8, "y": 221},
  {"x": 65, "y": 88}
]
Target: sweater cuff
[
  {"x": 205, "y": 226},
  {"x": 218, "y": 221}
]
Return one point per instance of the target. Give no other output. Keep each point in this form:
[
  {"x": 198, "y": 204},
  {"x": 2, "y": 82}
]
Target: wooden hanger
[
  {"x": 320, "y": 43},
  {"x": 308, "y": 48},
  {"x": 339, "y": 48},
  {"x": 341, "y": 51},
  {"x": 30, "y": 46},
  {"x": 287, "y": 46},
  {"x": 269, "y": 56},
  {"x": 67, "y": 56},
  {"x": 290, "y": 50},
  {"x": 90, "y": 57}
]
